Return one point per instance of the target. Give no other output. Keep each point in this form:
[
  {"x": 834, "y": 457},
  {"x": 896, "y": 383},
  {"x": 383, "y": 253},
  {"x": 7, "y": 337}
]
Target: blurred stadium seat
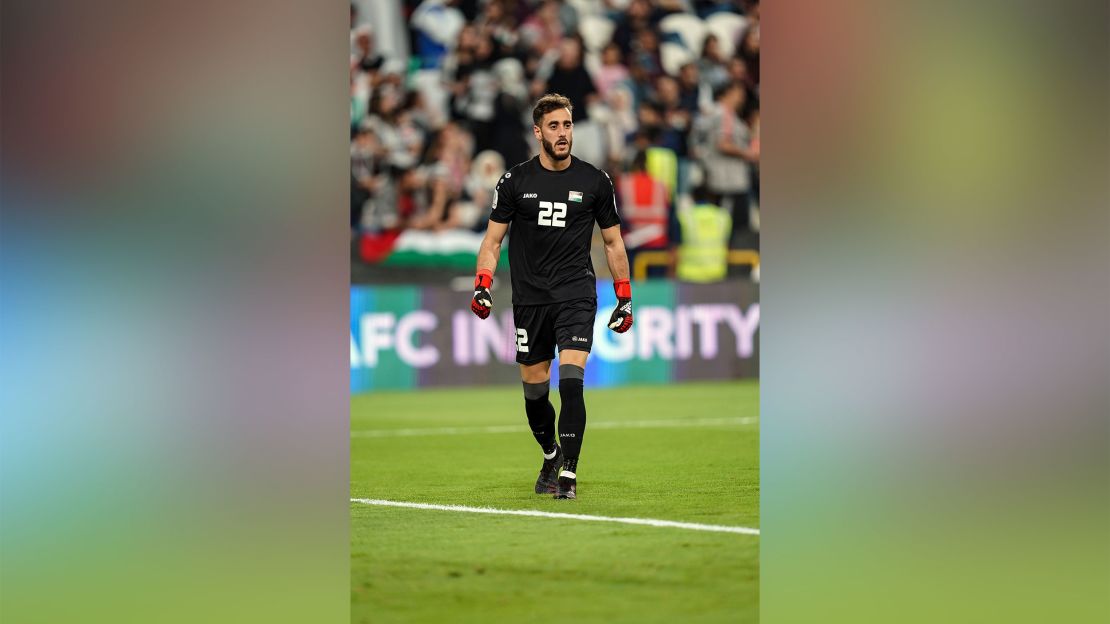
[
  {"x": 727, "y": 27},
  {"x": 596, "y": 31},
  {"x": 674, "y": 56},
  {"x": 690, "y": 28}
]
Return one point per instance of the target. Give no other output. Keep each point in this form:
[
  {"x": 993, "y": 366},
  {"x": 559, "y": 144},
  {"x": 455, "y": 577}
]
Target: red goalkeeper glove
[
  {"x": 482, "y": 302},
  {"x": 621, "y": 320}
]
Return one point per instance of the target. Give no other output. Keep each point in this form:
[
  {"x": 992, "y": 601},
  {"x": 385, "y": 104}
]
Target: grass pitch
[{"x": 415, "y": 565}]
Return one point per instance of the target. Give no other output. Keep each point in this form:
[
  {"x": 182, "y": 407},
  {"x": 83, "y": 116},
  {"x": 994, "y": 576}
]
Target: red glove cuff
[
  {"x": 623, "y": 288},
  {"x": 484, "y": 279}
]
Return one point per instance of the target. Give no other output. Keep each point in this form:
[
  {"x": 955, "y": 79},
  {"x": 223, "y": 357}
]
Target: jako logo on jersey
[
  {"x": 575, "y": 196},
  {"x": 529, "y": 196}
]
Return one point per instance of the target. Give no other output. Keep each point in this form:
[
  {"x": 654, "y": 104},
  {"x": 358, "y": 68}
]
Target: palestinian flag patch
[{"x": 575, "y": 196}]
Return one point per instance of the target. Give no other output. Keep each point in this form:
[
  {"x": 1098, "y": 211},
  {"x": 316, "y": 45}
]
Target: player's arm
[
  {"x": 621, "y": 319},
  {"x": 501, "y": 215},
  {"x": 615, "y": 254},
  {"x": 488, "y": 254}
]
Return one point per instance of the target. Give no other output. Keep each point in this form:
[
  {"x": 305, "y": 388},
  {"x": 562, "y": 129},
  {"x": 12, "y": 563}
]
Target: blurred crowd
[{"x": 665, "y": 95}]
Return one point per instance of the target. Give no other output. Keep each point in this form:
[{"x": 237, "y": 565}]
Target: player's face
[{"x": 556, "y": 133}]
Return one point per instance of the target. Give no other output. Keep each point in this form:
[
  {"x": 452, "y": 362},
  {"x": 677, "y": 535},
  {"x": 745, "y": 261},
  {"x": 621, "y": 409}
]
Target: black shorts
[{"x": 539, "y": 328}]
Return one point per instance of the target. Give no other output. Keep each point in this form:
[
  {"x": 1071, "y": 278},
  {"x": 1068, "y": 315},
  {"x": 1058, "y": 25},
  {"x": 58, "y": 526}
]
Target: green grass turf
[{"x": 412, "y": 565}]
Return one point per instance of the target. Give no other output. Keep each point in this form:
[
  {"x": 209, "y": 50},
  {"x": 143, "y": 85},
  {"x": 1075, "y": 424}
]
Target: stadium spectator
[
  {"x": 645, "y": 52},
  {"x": 738, "y": 72},
  {"x": 487, "y": 168},
  {"x": 675, "y": 118},
  {"x": 509, "y": 127},
  {"x": 422, "y": 114},
  {"x": 645, "y": 210},
  {"x": 401, "y": 139},
  {"x": 640, "y": 82},
  {"x": 657, "y": 130},
  {"x": 474, "y": 88},
  {"x": 569, "y": 77},
  {"x": 711, "y": 65},
  {"x": 440, "y": 186},
  {"x": 691, "y": 94},
  {"x": 636, "y": 18},
  {"x": 366, "y": 58},
  {"x": 703, "y": 254},
  {"x": 612, "y": 70},
  {"x": 544, "y": 29},
  {"x": 620, "y": 124},
  {"x": 365, "y": 153},
  {"x": 499, "y": 24},
  {"x": 726, "y": 151}
]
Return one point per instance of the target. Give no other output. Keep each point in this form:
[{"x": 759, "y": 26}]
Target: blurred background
[{"x": 666, "y": 100}]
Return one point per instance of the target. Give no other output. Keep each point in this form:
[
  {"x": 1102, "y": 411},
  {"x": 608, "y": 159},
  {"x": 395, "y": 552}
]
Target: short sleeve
[
  {"x": 606, "y": 210},
  {"x": 503, "y": 208}
]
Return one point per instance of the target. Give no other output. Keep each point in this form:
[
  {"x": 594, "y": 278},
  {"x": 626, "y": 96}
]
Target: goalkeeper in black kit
[{"x": 552, "y": 202}]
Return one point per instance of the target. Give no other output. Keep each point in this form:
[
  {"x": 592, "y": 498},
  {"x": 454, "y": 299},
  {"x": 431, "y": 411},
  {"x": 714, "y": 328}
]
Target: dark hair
[
  {"x": 723, "y": 89},
  {"x": 548, "y": 103}
]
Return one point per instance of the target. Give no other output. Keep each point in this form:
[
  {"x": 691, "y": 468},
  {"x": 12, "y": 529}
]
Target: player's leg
[
  {"x": 572, "y": 418},
  {"x": 537, "y": 404},
  {"x": 535, "y": 349},
  {"x": 541, "y": 420},
  {"x": 574, "y": 332}
]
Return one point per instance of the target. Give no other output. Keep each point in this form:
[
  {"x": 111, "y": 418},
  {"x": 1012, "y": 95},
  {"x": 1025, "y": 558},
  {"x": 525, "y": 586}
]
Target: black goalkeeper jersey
[{"x": 552, "y": 215}]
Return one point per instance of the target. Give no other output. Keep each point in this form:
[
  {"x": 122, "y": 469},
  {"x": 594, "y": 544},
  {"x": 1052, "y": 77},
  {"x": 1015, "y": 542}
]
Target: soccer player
[{"x": 552, "y": 202}]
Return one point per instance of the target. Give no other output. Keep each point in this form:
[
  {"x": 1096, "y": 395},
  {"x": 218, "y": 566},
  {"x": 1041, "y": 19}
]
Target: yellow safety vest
[
  {"x": 703, "y": 254},
  {"x": 662, "y": 164}
]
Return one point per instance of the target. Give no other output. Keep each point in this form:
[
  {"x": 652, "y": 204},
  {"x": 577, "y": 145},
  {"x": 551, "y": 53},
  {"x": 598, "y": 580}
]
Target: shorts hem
[{"x": 574, "y": 348}]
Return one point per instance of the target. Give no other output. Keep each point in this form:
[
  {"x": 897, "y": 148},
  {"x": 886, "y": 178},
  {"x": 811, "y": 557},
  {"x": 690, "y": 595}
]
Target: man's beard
[{"x": 550, "y": 149}]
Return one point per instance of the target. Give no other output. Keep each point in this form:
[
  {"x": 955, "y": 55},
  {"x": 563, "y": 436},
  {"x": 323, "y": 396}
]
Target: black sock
[
  {"x": 572, "y": 415},
  {"x": 541, "y": 415}
]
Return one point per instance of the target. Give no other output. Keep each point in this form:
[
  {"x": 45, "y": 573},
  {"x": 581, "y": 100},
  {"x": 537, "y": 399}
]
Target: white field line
[
  {"x": 590, "y": 425},
  {"x": 562, "y": 516}
]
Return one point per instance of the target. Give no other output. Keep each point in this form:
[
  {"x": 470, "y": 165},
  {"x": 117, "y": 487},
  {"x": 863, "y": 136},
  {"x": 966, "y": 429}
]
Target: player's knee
[
  {"x": 572, "y": 372},
  {"x": 537, "y": 391},
  {"x": 573, "y": 357}
]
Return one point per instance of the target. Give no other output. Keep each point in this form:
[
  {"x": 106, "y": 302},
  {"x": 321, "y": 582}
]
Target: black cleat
[
  {"x": 566, "y": 488},
  {"x": 549, "y": 473}
]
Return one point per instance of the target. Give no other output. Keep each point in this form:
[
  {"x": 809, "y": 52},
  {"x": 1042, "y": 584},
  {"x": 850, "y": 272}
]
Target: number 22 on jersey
[{"x": 553, "y": 214}]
